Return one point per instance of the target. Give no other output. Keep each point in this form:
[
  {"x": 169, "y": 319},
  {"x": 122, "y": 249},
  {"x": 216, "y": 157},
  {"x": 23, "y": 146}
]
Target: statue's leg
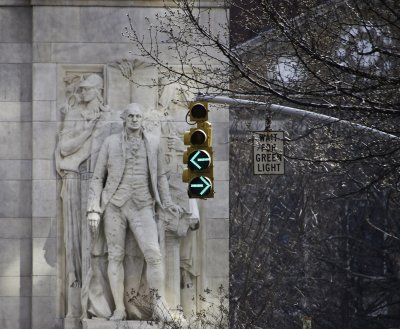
[
  {"x": 144, "y": 228},
  {"x": 71, "y": 206},
  {"x": 145, "y": 231},
  {"x": 115, "y": 231},
  {"x": 72, "y": 216}
]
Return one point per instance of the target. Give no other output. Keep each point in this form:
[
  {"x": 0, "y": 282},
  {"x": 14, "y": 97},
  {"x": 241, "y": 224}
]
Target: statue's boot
[
  {"x": 161, "y": 312},
  {"x": 118, "y": 315}
]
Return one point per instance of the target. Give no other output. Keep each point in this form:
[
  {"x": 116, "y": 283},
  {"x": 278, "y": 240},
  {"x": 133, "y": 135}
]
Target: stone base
[
  {"x": 105, "y": 324},
  {"x": 72, "y": 323}
]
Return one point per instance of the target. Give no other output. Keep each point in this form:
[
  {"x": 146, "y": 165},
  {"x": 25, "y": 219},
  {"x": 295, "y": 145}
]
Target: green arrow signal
[
  {"x": 206, "y": 185},
  {"x": 196, "y": 162}
]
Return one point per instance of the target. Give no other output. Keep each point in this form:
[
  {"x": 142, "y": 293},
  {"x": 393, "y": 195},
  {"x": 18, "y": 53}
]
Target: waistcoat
[{"x": 135, "y": 181}]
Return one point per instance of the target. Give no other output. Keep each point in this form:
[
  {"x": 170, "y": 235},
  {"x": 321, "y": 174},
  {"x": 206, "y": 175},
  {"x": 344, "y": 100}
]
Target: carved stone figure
[
  {"x": 173, "y": 106},
  {"x": 83, "y": 111},
  {"x": 128, "y": 182},
  {"x": 178, "y": 239}
]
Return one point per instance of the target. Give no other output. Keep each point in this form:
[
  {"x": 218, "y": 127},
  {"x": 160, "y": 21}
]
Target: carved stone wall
[{"x": 44, "y": 46}]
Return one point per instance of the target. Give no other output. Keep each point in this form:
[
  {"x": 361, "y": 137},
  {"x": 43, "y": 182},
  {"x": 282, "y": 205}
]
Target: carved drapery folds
[{"x": 86, "y": 122}]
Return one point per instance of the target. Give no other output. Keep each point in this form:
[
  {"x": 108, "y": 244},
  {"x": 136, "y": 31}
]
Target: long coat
[
  {"x": 97, "y": 299},
  {"x": 110, "y": 168}
]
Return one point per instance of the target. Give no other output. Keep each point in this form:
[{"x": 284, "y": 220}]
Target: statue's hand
[
  {"x": 171, "y": 141},
  {"x": 94, "y": 120},
  {"x": 174, "y": 209},
  {"x": 93, "y": 220},
  {"x": 175, "y": 143},
  {"x": 194, "y": 225}
]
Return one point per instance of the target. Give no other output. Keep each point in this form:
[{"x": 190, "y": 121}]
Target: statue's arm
[
  {"x": 162, "y": 181},
  {"x": 72, "y": 140},
  {"x": 98, "y": 180}
]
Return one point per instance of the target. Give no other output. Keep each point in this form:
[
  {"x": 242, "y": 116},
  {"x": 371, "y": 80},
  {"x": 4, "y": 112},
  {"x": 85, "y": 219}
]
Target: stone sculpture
[
  {"x": 178, "y": 238},
  {"x": 87, "y": 122},
  {"x": 173, "y": 103},
  {"x": 83, "y": 111},
  {"x": 86, "y": 125},
  {"x": 128, "y": 182}
]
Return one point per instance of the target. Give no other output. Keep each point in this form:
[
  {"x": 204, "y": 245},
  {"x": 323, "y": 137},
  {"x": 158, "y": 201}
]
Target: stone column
[{"x": 172, "y": 271}]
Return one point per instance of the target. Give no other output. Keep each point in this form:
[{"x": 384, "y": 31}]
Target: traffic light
[{"x": 199, "y": 155}]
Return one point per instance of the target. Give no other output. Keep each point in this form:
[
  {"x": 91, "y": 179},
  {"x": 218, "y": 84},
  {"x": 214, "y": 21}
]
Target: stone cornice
[
  {"x": 105, "y": 3},
  {"x": 15, "y": 3},
  {"x": 115, "y": 3}
]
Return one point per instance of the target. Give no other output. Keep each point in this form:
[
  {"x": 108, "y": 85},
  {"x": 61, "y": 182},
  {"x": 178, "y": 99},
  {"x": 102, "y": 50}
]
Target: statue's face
[
  {"x": 89, "y": 93},
  {"x": 134, "y": 118}
]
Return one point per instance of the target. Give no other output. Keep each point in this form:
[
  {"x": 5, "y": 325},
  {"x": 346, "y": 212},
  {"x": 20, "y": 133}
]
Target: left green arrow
[{"x": 199, "y": 160}]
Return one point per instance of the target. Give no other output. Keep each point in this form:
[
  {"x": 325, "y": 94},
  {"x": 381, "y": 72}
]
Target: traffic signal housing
[
  {"x": 198, "y": 157},
  {"x": 198, "y": 111}
]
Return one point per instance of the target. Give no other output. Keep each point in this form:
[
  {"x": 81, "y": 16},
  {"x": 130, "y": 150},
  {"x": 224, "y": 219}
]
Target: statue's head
[
  {"x": 133, "y": 116},
  {"x": 91, "y": 87}
]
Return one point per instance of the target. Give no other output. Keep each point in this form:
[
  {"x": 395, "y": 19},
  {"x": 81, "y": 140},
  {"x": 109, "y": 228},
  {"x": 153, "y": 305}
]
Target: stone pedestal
[
  {"x": 172, "y": 271},
  {"x": 104, "y": 324},
  {"x": 188, "y": 297},
  {"x": 74, "y": 309},
  {"x": 72, "y": 323}
]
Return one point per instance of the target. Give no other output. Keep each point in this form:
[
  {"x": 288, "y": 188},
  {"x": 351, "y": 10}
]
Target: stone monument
[
  {"x": 139, "y": 258},
  {"x": 128, "y": 182},
  {"x": 85, "y": 119},
  {"x": 64, "y": 84}
]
